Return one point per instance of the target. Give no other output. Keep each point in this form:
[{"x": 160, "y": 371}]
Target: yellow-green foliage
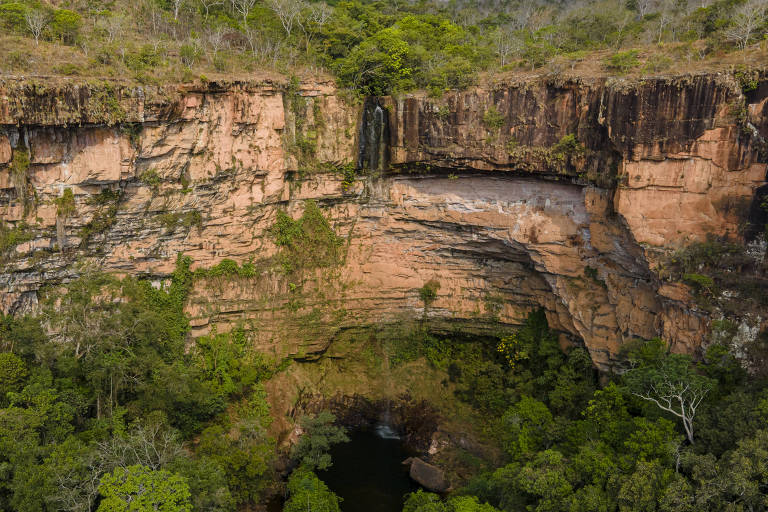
[
  {"x": 493, "y": 119},
  {"x": 11, "y": 237},
  {"x": 428, "y": 292},
  {"x": 19, "y": 167},
  {"x": 307, "y": 242},
  {"x": 65, "y": 205}
]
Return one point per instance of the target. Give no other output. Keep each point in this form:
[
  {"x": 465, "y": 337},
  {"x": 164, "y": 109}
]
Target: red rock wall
[{"x": 501, "y": 222}]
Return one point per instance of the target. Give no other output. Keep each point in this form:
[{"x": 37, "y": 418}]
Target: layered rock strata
[{"x": 564, "y": 195}]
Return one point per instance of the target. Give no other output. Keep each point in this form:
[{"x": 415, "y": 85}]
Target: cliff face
[{"x": 534, "y": 194}]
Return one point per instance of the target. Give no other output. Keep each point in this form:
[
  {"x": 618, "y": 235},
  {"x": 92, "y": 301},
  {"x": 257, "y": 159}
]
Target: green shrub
[
  {"x": 699, "y": 280},
  {"x": 307, "y": 242},
  {"x": 493, "y": 119},
  {"x": 623, "y": 61},
  {"x": 65, "y": 205},
  {"x": 747, "y": 80},
  {"x": 145, "y": 57},
  {"x": 189, "y": 54},
  {"x": 428, "y": 292},
  {"x": 11, "y": 237},
  {"x": 68, "y": 69},
  {"x": 568, "y": 146}
]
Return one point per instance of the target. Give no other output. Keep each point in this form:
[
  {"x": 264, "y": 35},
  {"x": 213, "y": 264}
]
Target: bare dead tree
[
  {"x": 506, "y": 44},
  {"x": 747, "y": 19},
  {"x": 678, "y": 398},
  {"x": 645, "y": 7},
  {"x": 207, "y": 5},
  {"x": 287, "y": 11},
  {"x": 243, "y": 8},
  {"x": 312, "y": 19},
  {"x": 216, "y": 40},
  {"x": 673, "y": 386},
  {"x": 177, "y": 4},
  {"x": 113, "y": 26},
  {"x": 36, "y": 21}
]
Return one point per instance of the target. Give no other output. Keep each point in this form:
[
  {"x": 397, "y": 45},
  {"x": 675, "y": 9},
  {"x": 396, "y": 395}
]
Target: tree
[
  {"x": 243, "y": 8},
  {"x": 671, "y": 383},
  {"x": 207, "y": 5},
  {"x": 506, "y": 44},
  {"x": 745, "y": 21},
  {"x": 315, "y": 18},
  {"x": 421, "y": 501},
  {"x": 288, "y": 11},
  {"x": 529, "y": 427},
  {"x": 13, "y": 372},
  {"x": 307, "y": 492},
  {"x": 319, "y": 435},
  {"x": 36, "y": 21},
  {"x": 176, "y": 8},
  {"x": 140, "y": 489}
]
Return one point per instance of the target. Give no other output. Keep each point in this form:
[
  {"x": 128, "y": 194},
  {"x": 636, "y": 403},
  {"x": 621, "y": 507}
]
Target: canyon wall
[{"x": 563, "y": 194}]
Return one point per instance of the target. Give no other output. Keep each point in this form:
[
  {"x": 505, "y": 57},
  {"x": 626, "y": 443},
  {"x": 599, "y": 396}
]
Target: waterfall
[
  {"x": 383, "y": 427},
  {"x": 374, "y": 137}
]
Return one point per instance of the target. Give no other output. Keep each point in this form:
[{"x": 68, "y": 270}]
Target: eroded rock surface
[{"x": 566, "y": 198}]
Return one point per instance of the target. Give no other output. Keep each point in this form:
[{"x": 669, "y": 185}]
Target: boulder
[{"x": 428, "y": 476}]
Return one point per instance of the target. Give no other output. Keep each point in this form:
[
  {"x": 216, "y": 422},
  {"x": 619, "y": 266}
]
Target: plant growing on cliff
[
  {"x": 11, "y": 237},
  {"x": 65, "y": 204},
  {"x": 19, "y": 166},
  {"x": 307, "y": 242},
  {"x": 493, "y": 119},
  {"x": 428, "y": 292},
  {"x": 107, "y": 203}
]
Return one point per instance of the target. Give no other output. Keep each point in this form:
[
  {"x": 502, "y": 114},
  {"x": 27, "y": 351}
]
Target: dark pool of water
[{"x": 368, "y": 473}]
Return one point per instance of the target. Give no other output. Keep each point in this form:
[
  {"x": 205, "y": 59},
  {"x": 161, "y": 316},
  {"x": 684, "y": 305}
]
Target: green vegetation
[
  {"x": 65, "y": 205},
  {"x": 670, "y": 434},
  {"x": 227, "y": 267},
  {"x": 715, "y": 266},
  {"x": 372, "y": 46},
  {"x": 307, "y": 492},
  {"x": 623, "y": 61},
  {"x": 105, "y": 415},
  {"x": 493, "y": 119},
  {"x": 421, "y": 501},
  {"x": 320, "y": 433},
  {"x": 174, "y": 220},
  {"x": 428, "y": 292},
  {"x": 105, "y": 216},
  {"x": 140, "y": 488},
  {"x": 11, "y": 237},
  {"x": 307, "y": 242},
  {"x": 19, "y": 166}
]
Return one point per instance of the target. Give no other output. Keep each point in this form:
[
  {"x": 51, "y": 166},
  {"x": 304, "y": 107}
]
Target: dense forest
[
  {"x": 375, "y": 47},
  {"x": 106, "y": 407}
]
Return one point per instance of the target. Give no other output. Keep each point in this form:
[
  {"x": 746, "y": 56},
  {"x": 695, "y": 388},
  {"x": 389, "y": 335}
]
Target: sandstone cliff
[{"x": 562, "y": 194}]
